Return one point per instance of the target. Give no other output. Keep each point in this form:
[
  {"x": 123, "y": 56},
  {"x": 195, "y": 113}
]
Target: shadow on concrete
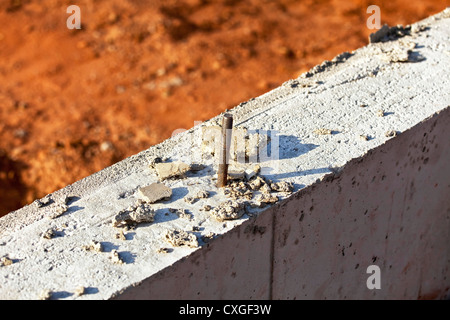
[
  {"x": 72, "y": 199},
  {"x": 73, "y": 209},
  {"x": 109, "y": 246},
  {"x": 163, "y": 215},
  {"x": 279, "y": 176},
  {"x": 291, "y": 147},
  {"x": 127, "y": 256},
  {"x": 177, "y": 193},
  {"x": 61, "y": 295}
]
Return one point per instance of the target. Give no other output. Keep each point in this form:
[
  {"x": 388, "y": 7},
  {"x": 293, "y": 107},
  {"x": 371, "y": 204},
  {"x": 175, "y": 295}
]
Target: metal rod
[{"x": 227, "y": 128}]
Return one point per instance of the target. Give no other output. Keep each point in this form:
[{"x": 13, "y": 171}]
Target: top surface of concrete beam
[{"x": 359, "y": 97}]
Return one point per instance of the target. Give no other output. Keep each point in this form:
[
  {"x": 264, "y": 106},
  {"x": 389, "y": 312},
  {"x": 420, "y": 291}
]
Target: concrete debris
[
  {"x": 49, "y": 234},
  {"x": 57, "y": 210},
  {"x": 5, "y": 261},
  {"x": 190, "y": 199},
  {"x": 139, "y": 213},
  {"x": 364, "y": 137},
  {"x": 208, "y": 237},
  {"x": 171, "y": 169},
  {"x": 390, "y": 134},
  {"x": 228, "y": 210},
  {"x": 266, "y": 188},
  {"x": 264, "y": 199},
  {"x": 207, "y": 207},
  {"x": 164, "y": 250},
  {"x": 256, "y": 183},
  {"x": 202, "y": 194},
  {"x": 94, "y": 246},
  {"x": 120, "y": 235},
  {"x": 238, "y": 190},
  {"x": 322, "y": 131},
  {"x": 45, "y": 295},
  {"x": 39, "y": 203},
  {"x": 154, "y": 192},
  {"x": 283, "y": 186},
  {"x": 153, "y": 161},
  {"x": 115, "y": 257},
  {"x": 184, "y": 214},
  {"x": 79, "y": 291},
  {"x": 252, "y": 172},
  {"x": 386, "y": 33},
  {"x": 181, "y": 238}
]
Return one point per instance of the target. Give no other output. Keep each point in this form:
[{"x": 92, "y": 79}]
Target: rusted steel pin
[{"x": 227, "y": 128}]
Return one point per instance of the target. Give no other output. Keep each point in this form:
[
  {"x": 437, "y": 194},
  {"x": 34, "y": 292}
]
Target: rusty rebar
[{"x": 227, "y": 129}]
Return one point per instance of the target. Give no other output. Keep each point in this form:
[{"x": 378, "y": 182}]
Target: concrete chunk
[
  {"x": 171, "y": 169},
  {"x": 154, "y": 192}
]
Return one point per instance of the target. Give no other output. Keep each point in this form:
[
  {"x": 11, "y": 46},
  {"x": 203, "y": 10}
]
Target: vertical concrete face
[{"x": 390, "y": 209}]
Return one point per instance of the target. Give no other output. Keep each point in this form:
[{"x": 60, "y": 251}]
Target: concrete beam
[{"x": 363, "y": 139}]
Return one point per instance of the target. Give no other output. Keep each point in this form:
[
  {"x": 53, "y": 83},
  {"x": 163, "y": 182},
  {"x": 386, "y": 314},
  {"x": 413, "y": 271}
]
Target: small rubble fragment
[
  {"x": 120, "y": 235},
  {"x": 263, "y": 199},
  {"x": 154, "y": 192},
  {"x": 256, "y": 183},
  {"x": 364, "y": 137},
  {"x": 49, "y": 234},
  {"x": 164, "y": 250},
  {"x": 153, "y": 161},
  {"x": 390, "y": 134},
  {"x": 181, "y": 238},
  {"x": 184, "y": 214},
  {"x": 171, "y": 169},
  {"x": 228, "y": 210},
  {"x": 322, "y": 131},
  {"x": 283, "y": 186},
  {"x": 202, "y": 194},
  {"x": 94, "y": 246},
  {"x": 207, "y": 207},
  {"x": 79, "y": 291},
  {"x": 139, "y": 213},
  {"x": 57, "y": 210},
  {"x": 238, "y": 190},
  {"x": 208, "y": 237},
  {"x": 115, "y": 257},
  {"x": 190, "y": 200},
  {"x": 39, "y": 203},
  {"x": 45, "y": 295},
  {"x": 386, "y": 33},
  {"x": 5, "y": 261},
  {"x": 250, "y": 173}
]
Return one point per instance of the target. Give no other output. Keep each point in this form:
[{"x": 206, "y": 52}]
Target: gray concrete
[{"x": 381, "y": 200}]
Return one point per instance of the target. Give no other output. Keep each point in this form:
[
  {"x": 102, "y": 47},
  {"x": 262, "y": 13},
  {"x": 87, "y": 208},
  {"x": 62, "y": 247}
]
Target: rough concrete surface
[{"x": 379, "y": 200}]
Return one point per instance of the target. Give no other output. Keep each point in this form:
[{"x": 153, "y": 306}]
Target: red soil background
[{"x": 73, "y": 102}]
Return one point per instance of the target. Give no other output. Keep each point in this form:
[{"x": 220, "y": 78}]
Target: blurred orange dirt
[{"x": 73, "y": 102}]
